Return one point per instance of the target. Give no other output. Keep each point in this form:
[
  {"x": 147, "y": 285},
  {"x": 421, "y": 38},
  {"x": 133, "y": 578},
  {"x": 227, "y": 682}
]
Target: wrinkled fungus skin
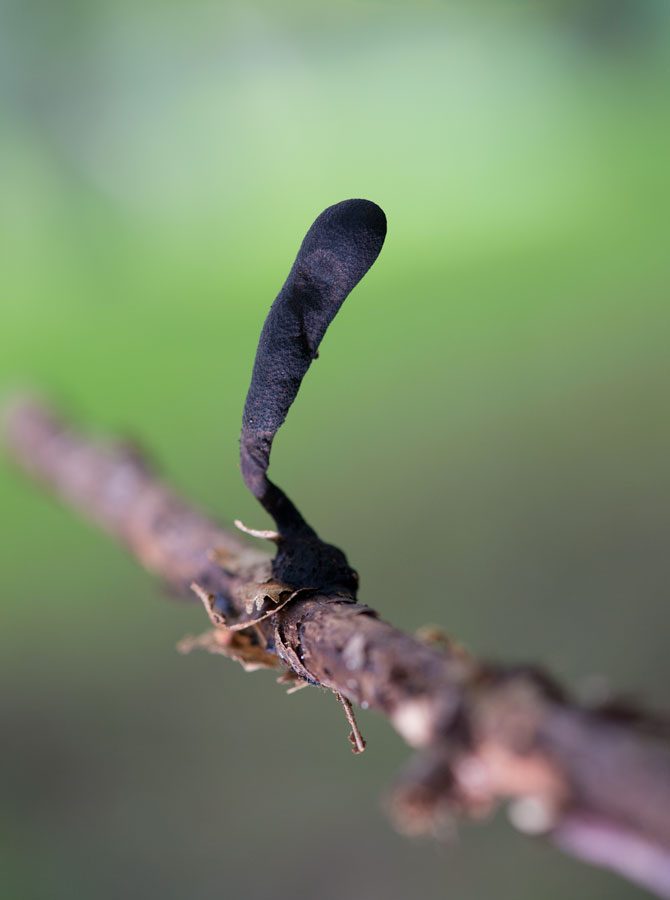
[{"x": 339, "y": 248}]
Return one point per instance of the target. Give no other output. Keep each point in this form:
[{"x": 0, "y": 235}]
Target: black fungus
[{"x": 337, "y": 251}]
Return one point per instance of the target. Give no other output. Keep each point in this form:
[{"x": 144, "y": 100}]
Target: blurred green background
[{"x": 485, "y": 433}]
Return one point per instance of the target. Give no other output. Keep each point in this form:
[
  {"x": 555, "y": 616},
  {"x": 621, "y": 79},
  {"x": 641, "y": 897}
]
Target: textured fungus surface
[{"x": 337, "y": 251}]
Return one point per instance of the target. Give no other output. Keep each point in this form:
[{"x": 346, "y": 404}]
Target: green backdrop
[{"x": 485, "y": 432}]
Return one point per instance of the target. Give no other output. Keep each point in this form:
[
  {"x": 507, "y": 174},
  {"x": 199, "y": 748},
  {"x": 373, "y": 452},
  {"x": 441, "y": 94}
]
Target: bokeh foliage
[{"x": 485, "y": 433}]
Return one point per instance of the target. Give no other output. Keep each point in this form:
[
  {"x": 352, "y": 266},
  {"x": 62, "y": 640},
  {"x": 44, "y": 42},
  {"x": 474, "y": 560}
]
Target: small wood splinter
[
  {"x": 355, "y": 737},
  {"x": 266, "y": 535}
]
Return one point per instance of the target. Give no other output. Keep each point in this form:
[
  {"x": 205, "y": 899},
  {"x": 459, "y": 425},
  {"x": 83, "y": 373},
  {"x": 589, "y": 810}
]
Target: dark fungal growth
[{"x": 337, "y": 251}]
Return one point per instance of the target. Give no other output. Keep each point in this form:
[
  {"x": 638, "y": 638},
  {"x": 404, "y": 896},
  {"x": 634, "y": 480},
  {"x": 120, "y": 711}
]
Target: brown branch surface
[{"x": 596, "y": 781}]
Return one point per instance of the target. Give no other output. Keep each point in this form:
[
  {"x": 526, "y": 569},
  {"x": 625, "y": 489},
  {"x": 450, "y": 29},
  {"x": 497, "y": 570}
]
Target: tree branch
[{"x": 594, "y": 780}]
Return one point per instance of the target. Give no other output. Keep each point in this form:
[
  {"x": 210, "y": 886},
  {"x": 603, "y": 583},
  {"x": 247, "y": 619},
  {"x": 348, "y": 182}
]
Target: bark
[{"x": 596, "y": 781}]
